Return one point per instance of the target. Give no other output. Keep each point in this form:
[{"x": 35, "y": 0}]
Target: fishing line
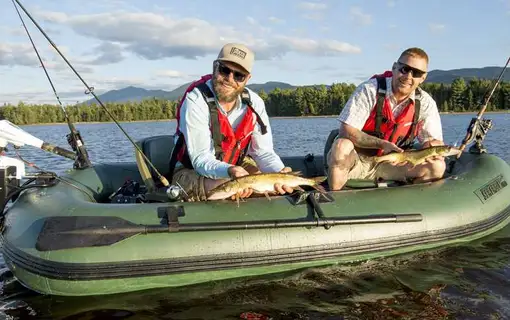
[
  {"x": 42, "y": 63},
  {"x": 74, "y": 138},
  {"x": 91, "y": 91}
]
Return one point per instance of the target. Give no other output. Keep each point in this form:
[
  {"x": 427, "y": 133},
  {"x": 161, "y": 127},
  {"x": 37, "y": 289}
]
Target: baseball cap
[{"x": 239, "y": 54}]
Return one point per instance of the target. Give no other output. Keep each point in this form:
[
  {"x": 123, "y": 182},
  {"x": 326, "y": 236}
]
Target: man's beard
[{"x": 226, "y": 94}]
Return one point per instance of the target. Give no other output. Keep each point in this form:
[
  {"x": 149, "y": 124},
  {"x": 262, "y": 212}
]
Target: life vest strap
[
  {"x": 381, "y": 96},
  {"x": 408, "y": 141}
]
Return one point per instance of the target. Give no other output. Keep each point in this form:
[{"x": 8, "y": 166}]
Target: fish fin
[
  {"x": 299, "y": 188},
  {"x": 267, "y": 196},
  {"x": 295, "y": 173},
  {"x": 319, "y": 179},
  {"x": 320, "y": 189},
  {"x": 237, "y": 199}
]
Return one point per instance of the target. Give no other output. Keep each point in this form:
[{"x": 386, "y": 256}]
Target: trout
[
  {"x": 263, "y": 183},
  {"x": 416, "y": 157}
]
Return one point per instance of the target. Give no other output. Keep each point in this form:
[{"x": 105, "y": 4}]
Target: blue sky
[{"x": 163, "y": 44}]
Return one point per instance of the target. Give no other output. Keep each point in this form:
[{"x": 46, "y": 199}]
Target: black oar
[{"x": 92, "y": 231}]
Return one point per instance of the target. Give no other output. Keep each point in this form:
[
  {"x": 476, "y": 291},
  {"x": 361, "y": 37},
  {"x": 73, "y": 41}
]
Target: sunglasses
[
  {"x": 405, "y": 69},
  {"x": 225, "y": 71}
]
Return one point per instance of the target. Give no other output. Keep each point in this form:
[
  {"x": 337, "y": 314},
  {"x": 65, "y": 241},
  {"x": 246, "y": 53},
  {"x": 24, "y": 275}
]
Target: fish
[
  {"x": 416, "y": 157},
  {"x": 263, "y": 183}
]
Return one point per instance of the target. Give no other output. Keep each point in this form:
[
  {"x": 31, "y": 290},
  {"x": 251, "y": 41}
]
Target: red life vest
[
  {"x": 401, "y": 130},
  {"x": 229, "y": 145}
]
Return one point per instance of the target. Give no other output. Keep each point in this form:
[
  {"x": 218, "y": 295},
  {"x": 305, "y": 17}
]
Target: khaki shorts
[
  {"x": 364, "y": 168},
  {"x": 193, "y": 183}
]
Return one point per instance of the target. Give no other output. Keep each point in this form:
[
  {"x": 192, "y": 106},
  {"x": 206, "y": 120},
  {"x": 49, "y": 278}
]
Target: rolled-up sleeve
[
  {"x": 431, "y": 127},
  {"x": 261, "y": 148},
  {"x": 194, "y": 125},
  {"x": 357, "y": 109}
]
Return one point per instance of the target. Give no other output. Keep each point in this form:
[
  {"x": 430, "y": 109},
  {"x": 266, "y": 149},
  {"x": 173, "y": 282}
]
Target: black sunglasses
[
  {"x": 225, "y": 71},
  {"x": 405, "y": 69}
]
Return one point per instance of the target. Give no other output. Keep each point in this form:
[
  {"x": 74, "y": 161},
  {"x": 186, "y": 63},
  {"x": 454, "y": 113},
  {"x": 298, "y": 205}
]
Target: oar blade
[{"x": 60, "y": 233}]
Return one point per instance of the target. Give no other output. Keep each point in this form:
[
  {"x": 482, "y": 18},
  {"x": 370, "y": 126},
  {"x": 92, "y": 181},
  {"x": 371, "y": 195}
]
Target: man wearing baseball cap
[{"x": 223, "y": 129}]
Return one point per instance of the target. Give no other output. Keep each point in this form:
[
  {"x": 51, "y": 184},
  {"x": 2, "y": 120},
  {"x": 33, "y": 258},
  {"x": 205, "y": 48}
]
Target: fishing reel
[{"x": 477, "y": 131}]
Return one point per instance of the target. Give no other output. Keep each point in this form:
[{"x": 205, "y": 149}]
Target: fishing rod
[
  {"x": 476, "y": 121},
  {"x": 73, "y": 138},
  {"x": 90, "y": 90}
]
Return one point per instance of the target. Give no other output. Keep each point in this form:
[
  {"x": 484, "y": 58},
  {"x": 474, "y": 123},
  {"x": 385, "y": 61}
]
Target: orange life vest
[
  {"x": 229, "y": 145},
  {"x": 401, "y": 130}
]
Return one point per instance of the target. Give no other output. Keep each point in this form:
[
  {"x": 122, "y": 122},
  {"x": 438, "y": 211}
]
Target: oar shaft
[{"x": 243, "y": 225}]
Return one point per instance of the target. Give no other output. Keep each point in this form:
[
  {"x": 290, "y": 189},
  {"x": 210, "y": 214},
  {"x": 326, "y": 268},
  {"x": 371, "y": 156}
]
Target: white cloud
[
  {"x": 109, "y": 53},
  {"x": 12, "y": 31},
  {"x": 315, "y": 47},
  {"x": 317, "y": 16},
  {"x": 436, "y": 27},
  {"x": 12, "y": 54},
  {"x": 51, "y": 16},
  {"x": 170, "y": 74},
  {"x": 312, "y": 6},
  {"x": 153, "y": 36},
  {"x": 276, "y": 20},
  {"x": 359, "y": 17},
  {"x": 251, "y": 20}
]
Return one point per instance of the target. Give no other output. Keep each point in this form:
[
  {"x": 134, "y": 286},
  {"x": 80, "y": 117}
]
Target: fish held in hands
[
  {"x": 263, "y": 183},
  {"x": 416, "y": 157}
]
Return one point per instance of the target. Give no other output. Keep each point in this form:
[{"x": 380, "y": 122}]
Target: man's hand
[
  {"x": 237, "y": 172},
  {"x": 282, "y": 189},
  {"x": 388, "y": 147}
]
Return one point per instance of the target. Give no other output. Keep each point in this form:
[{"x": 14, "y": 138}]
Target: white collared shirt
[{"x": 361, "y": 103}]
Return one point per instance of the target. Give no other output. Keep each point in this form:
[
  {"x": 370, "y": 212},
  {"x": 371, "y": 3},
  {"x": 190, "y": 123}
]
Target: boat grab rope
[{"x": 54, "y": 176}]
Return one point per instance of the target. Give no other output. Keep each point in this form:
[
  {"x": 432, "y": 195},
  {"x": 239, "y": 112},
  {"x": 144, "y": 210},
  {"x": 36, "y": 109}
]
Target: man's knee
[
  {"x": 432, "y": 170},
  {"x": 340, "y": 152},
  {"x": 437, "y": 169}
]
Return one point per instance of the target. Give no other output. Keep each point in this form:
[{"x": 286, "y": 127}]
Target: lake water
[{"x": 465, "y": 282}]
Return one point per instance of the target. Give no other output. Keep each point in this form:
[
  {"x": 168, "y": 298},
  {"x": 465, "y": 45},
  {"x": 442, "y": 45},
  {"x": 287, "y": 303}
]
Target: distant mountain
[
  {"x": 128, "y": 94},
  {"x": 137, "y": 94},
  {"x": 438, "y": 76},
  {"x": 447, "y": 76}
]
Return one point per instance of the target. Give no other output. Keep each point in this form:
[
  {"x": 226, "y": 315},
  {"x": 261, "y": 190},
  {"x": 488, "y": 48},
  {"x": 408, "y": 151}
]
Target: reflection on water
[{"x": 462, "y": 282}]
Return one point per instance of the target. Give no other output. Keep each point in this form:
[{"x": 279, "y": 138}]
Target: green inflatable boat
[{"x": 79, "y": 234}]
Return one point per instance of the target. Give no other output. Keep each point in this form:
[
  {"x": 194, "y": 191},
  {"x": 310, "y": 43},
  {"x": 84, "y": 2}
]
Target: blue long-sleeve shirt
[{"x": 194, "y": 125}]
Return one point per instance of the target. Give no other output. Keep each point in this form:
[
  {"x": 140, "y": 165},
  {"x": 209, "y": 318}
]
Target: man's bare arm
[
  {"x": 359, "y": 138},
  {"x": 432, "y": 142},
  {"x": 365, "y": 141}
]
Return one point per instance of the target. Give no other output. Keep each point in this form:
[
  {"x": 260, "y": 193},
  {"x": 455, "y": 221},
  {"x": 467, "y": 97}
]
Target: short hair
[{"x": 415, "y": 52}]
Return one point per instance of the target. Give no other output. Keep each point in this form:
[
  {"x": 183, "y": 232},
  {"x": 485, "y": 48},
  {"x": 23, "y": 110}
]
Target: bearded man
[{"x": 223, "y": 129}]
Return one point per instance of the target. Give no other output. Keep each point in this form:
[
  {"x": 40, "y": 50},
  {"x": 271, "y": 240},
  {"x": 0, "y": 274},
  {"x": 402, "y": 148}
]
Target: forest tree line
[{"x": 460, "y": 96}]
